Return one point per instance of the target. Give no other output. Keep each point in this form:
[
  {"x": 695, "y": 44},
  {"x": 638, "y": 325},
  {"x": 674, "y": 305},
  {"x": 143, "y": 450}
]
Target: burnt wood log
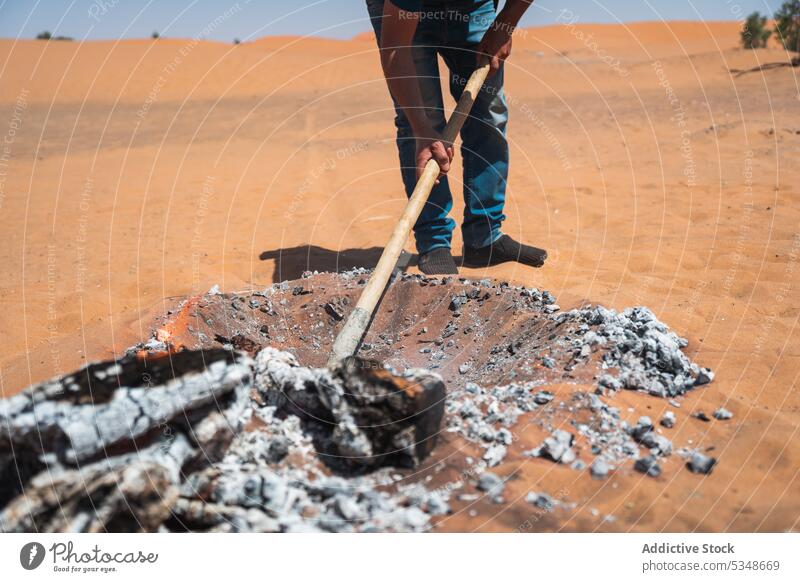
[
  {"x": 165, "y": 442},
  {"x": 361, "y": 415},
  {"x": 80, "y": 416},
  {"x": 105, "y": 448}
]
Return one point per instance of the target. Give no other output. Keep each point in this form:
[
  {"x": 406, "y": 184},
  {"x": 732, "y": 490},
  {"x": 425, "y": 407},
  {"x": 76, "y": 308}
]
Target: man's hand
[
  {"x": 496, "y": 43},
  {"x": 495, "y": 46},
  {"x": 401, "y": 75},
  {"x": 434, "y": 148}
]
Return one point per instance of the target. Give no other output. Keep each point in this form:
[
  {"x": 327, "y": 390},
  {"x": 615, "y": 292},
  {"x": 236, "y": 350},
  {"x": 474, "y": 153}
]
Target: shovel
[{"x": 349, "y": 338}]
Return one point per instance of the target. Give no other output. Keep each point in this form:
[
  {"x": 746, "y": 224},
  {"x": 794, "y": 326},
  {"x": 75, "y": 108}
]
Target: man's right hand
[{"x": 434, "y": 148}]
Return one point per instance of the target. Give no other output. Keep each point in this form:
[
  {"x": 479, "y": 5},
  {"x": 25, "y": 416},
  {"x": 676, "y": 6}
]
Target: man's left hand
[{"x": 495, "y": 46}]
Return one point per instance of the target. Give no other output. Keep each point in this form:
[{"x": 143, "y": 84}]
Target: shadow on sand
[
  {"x": 290, "y": 263},
  {"x": 766, "y": 67}
]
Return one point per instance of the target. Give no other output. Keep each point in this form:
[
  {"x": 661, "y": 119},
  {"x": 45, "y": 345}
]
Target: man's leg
[
  {"x": 484, "y": 149},
  {"x": 434, "y": 228}
]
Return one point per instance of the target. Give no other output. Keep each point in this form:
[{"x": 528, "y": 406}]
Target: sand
[{"x": 137, "y": 172}]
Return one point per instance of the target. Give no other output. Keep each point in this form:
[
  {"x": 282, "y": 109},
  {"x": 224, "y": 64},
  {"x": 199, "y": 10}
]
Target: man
[{"x": 411, "y": 35}]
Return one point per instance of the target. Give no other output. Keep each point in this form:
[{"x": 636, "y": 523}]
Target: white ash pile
[
  {"x": 644, "y": 352},
  {"x": 489, "y": 416},
  {"x": 213, "y": 440},
  {"x": 636, "y": 352}
]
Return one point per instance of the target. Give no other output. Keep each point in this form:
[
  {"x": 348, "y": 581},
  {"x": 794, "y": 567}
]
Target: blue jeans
[{"x": 453, "y": 30}]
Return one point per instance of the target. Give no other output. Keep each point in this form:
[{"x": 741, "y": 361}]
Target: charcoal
[
  {"x": 648, "y": 465},
  {"x": 658, "y": 444},
  {"x": 491, "y": 484},
  {"x": 494, "y": 455},
  {"x": 700, "y": 463},
  {"x": 239, "y": 342},
  {"x": 643, "y": 427},
  {"x": 348, "y": 508},
  {"x": 335, "y": 310},
  {"x": 668, "y": 419},
  {"x": 469, "y": 410},
  {"x": 704, "y": 376},
  {"x": 456, "y": 303},
  {"x": 723, "y": 414},
  {"x": 413, "y": 518},
  {"x": 450, "y": 329},
  {"x": 600, "y": 468},
  {"x": 558, "y": 447},
  {"x": 435, "y": 504},
  {"x": 540, "y": 500},
  {"x": 504, "y": 436}
]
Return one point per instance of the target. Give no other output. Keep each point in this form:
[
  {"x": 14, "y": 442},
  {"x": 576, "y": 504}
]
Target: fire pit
[{"x": 227, "y": 419}]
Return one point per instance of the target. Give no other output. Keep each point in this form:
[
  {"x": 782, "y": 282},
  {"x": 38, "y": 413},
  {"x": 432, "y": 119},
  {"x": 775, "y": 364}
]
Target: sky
[{"x": 226, "y": 20}]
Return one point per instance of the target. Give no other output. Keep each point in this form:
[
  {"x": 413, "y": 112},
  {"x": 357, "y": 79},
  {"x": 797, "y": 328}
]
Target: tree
[
  {"x": 787, "y": 25},
  {"x": 155, "y": 35},
  {"x": 754, "y": 32},
  {"x": 47, "y": 35}
]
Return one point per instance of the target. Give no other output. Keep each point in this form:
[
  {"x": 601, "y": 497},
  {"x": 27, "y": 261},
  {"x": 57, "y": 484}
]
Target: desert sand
[{"x": 656, "y": 162}]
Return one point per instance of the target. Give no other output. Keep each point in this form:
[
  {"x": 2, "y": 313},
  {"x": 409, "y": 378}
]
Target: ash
[{"x": 642, "y": 351}]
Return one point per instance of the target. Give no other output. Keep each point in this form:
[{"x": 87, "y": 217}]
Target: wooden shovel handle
[{"x": 356, "y": 325}]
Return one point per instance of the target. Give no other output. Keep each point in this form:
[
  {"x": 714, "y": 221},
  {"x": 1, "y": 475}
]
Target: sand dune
[{"x": 139, "y": 171}]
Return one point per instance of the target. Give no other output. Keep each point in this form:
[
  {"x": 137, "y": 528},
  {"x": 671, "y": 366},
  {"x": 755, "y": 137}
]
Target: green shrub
[
  {"x": 754, "y": 32},
  {"x": 787, "y": 25}
]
